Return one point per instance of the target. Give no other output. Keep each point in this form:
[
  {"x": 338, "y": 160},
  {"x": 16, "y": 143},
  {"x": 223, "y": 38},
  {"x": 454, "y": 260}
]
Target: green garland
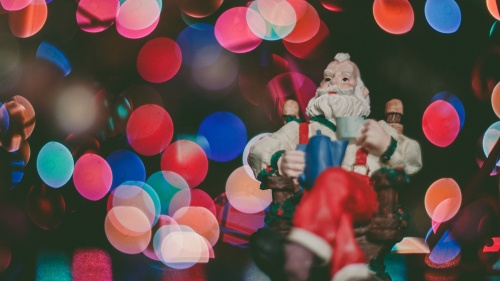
[
  {"x": 285, "y": 211},
  {"x": 322, "y": 119}
]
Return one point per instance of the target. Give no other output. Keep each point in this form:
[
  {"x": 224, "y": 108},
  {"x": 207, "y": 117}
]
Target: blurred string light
[
  {"x": 52, "y": 54},
  {"x": 181, "y": 199},
  {"x": 164, "y": 220},
  {"x": 96, "y": 15},
  {"x": 453, "y": 100},
  {"x": 137, "y": 18},
  {"x": 187, "y": 159},
  {"x": 493, "y": 248},
  {"x": 54, "y": 164},
  {"x": 492, "y": 6},
  {"x": 45, "y": 207},
  {"x": 443, "y": 15},
  {"x": 244, "y": 193},
  {"x": 166, "y": 184},
  {"x": 233, "y": 33},
  {"x": 226, "y": 135},
  {"x": 5, "y": 254},
  {"x": 125, "y": 166},
  {"x": 394, "y": 16},
  {"x": 335, "y": 5},
  {"x": 149, "y": 129},
  {"x": 92, "y": 176},
  {"x": 159, "y": 60},
  {"x": 199, "y": 9},
  {"x": 29, "y": 20},
  {"x": 490, "y": 138},
  {"x": 441, "y": 123},
  {"x": 442, "y": 200}
]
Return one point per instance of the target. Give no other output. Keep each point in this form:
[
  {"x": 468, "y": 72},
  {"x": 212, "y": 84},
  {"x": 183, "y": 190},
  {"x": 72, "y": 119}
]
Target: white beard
[{"x": 344, "y": 103}]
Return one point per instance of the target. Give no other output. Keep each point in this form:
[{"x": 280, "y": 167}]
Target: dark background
[{"x": 412, "y": 67}]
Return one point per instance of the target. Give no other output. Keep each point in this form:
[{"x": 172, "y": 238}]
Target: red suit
[{"x": 338, "y": 199}]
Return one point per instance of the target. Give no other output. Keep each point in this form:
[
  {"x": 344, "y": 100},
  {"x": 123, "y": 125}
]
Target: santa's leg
[{"x": 323, "y": 220}]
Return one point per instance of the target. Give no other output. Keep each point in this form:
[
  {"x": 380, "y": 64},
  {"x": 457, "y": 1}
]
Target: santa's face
[{"x": 338, "y": 78}]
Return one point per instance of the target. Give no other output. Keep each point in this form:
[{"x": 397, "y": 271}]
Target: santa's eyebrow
[{"x": 328, "y": 72}]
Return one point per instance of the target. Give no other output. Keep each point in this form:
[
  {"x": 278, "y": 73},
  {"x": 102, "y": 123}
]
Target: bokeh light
[
  {"x": 136, "y": 34},
  {"x": 443, "y": 15},
  {"x": 288, "y": 85},
  {"x": 28, "y": 121},
  {"x": 195, "y": 38},
  {"x": 92, "y": 176},
  {"x": 14, "y": 5},
  {"x": 201, "y": 220},
  {"x": 307, "y": 22},
  {"x": 125, "y": 166},
  {"x": 246, "y": 151},
  {"x": 481, "y": 156},
  {"x": 164, "y": 220},
  {"x": 76, "y": 109},
  {"x": 4, "y": 119},
  {"x": 485, "y": 75},
  {"x": 138, "y": 195},
  {"x": 441, "y": 123},
  {"x": 253, "y": 78},
  {"x": 5, "y": 254},
  {"x": 443, "y": 199},
  {"x": 166, "y": 184},
  {"x": 312, "y": 48},
  {"x": 29, "y": 20},
  {"x": 280, "y": 19},
  {"x": 233, "y": 33},
  {"x": 490, "y": 138},
  {"x": 187, "y": 159},
  {"x": 180, "y": 201},
  {"x": 226, "y": 135},
  {"x": 244, "y": 193},
  {"x": 159, "y": 60},
  {"x": 149, "y": 129},
  {"x": 200, "y": 198},
  {"x": 55, "y": 164},
  {"x": 138, "y": 14},
  {"x": 216, "y": 76},
  {"x": 96, "y": 15},
  {"x": 52, "y": 54},
  {"x": 411, "y": 245},
  {"x": 493, "y": 8},
  {"x": 445, "y": 250},
  {"x": 454, "y": 101},
  {"x": 45, "y": 207},
  {"x": 394, "y": 16},
  {"x": 123, "y": 239},
  {"x": 335, "y": 5},
  {"x": 199, "y": 9},
  {"x": 495, "y": 100}
]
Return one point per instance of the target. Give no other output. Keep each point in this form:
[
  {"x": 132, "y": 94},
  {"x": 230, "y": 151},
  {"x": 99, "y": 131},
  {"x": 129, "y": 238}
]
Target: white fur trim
[
  {"x": 353, "y": 272},
  {"x": 312, "y": 242}
]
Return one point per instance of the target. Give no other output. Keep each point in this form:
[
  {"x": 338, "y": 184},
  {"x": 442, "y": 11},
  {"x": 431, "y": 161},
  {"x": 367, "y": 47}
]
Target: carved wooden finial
[{"x": 394, "y": 113}]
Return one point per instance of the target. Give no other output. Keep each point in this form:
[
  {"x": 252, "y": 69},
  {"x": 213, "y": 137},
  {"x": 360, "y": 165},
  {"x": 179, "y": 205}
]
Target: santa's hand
[
  {"x": 373, "y": 138},
  {"x": 292, "y": 163}
]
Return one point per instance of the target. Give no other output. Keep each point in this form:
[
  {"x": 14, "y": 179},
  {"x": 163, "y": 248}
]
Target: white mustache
[{"x": 335, "y": 89}]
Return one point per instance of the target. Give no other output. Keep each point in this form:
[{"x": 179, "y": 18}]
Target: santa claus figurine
[{"x": 322, "y": 222}]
